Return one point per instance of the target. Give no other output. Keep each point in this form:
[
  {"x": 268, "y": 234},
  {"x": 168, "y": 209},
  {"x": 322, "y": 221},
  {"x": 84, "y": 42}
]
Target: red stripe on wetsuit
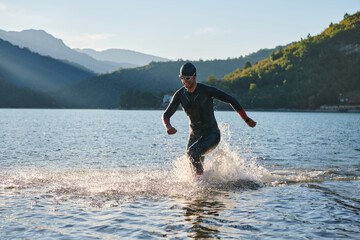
[
  {"x": 166, "y": 121},
  {"x": 243, "y": 115}
]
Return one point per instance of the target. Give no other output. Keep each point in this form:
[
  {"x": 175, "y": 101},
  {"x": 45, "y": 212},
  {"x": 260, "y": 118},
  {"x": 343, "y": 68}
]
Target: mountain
[
  {"x": 104, "y": 91},
  {"x": 45, "y": 44},
  {"x": 122, "y": 56},
  {"x": 24, "y": 68},
  {"x": 12, "y": 96},
  {"x": 319, "y": 70},
  {"x": 101, "y": 62}
]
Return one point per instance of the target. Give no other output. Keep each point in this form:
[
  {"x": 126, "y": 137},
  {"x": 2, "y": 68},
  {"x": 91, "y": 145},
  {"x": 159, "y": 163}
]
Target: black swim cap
[{"x": 188, "y": 69}]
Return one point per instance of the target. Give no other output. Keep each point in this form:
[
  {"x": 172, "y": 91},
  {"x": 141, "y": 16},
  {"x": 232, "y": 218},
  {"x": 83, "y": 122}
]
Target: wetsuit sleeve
[
  {"x": 224, "y": 97},
  {"x": 171, "y": 109}
]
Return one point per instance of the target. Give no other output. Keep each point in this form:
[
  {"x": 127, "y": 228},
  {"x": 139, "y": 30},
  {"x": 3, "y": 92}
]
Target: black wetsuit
[{"x": 198, "y": 106}]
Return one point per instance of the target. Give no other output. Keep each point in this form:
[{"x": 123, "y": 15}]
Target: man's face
[{"x": 188, "y": 81}]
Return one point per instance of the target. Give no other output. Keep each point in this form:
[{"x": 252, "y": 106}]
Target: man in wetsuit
[{"x": 196, "y": 100}]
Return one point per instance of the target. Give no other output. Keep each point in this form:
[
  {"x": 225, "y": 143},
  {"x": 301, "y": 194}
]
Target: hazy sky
[{"x": 187, "y": 29}]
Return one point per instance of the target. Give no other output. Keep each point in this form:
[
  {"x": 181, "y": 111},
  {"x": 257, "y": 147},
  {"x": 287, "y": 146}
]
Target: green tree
[
  {"x": 247, "y": 65},
  {"x": 212, "y": 79},
  {"x": 252, "y": 86}
]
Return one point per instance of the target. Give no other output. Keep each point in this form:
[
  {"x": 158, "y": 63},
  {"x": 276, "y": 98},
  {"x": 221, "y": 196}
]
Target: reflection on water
[{"x": 202, "y": 214}]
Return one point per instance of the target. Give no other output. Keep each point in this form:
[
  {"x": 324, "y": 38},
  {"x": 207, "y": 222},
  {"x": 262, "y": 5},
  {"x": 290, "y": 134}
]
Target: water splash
[
  {"x": 303, "y": 175},
  {"x": 224, "y": 169},
  {"x": 227, "y": 164}
]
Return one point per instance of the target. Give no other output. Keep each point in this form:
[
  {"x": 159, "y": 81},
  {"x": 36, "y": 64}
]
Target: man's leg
[{"x": 199, "y": 146}]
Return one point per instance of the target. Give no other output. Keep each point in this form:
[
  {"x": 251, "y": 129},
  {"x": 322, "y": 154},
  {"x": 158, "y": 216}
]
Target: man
[{"x": 196, "y": 100}]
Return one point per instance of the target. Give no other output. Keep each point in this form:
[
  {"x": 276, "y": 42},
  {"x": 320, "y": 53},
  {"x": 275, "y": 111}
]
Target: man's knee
[{"x": 194, "y": 154}]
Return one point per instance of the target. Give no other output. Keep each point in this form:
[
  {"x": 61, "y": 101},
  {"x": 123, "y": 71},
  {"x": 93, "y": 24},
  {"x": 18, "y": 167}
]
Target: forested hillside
[
  {"x": 105, "y": 91},
  {"x": 319, "y": 70},
  {"x": 24, "y": 68},
  {"x": 12, "y": 96}
]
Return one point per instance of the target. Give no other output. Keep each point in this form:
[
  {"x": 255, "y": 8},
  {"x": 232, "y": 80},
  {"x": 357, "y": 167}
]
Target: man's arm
[
  {"x": 170, "y": 110},
  {"x": 248, "y": 121},
  {"x": 224, "y": 97},
  {"x": 169, "y": 129}
]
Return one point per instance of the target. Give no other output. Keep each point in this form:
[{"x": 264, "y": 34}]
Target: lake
[{"x": 112, "y": 174}]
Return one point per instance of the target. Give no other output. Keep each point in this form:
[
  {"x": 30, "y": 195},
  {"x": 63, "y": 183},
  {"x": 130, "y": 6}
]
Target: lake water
[{"x": 110, "y": 174}]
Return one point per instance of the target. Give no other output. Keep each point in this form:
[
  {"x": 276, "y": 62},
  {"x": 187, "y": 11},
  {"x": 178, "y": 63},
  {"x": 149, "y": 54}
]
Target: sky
[{"x": 187, "y": 29}]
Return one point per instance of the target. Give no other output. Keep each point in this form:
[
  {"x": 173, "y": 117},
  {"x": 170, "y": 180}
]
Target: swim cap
[{"x": 188, "y": 69}]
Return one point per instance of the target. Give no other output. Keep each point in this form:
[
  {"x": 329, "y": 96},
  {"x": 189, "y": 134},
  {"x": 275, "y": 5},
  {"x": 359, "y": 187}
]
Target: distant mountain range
[
  {"x": 24, "y": 68},
  {"x": 100, "y": 62},
  {"x": 123, "y": 56}
]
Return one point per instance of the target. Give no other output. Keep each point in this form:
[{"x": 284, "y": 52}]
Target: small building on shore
[{"x": 167, "y": 98}]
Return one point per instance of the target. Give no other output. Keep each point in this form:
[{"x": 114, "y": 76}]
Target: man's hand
[
  {"x": 170, "y": 129},
  {"x": 251, "y": 123}
]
